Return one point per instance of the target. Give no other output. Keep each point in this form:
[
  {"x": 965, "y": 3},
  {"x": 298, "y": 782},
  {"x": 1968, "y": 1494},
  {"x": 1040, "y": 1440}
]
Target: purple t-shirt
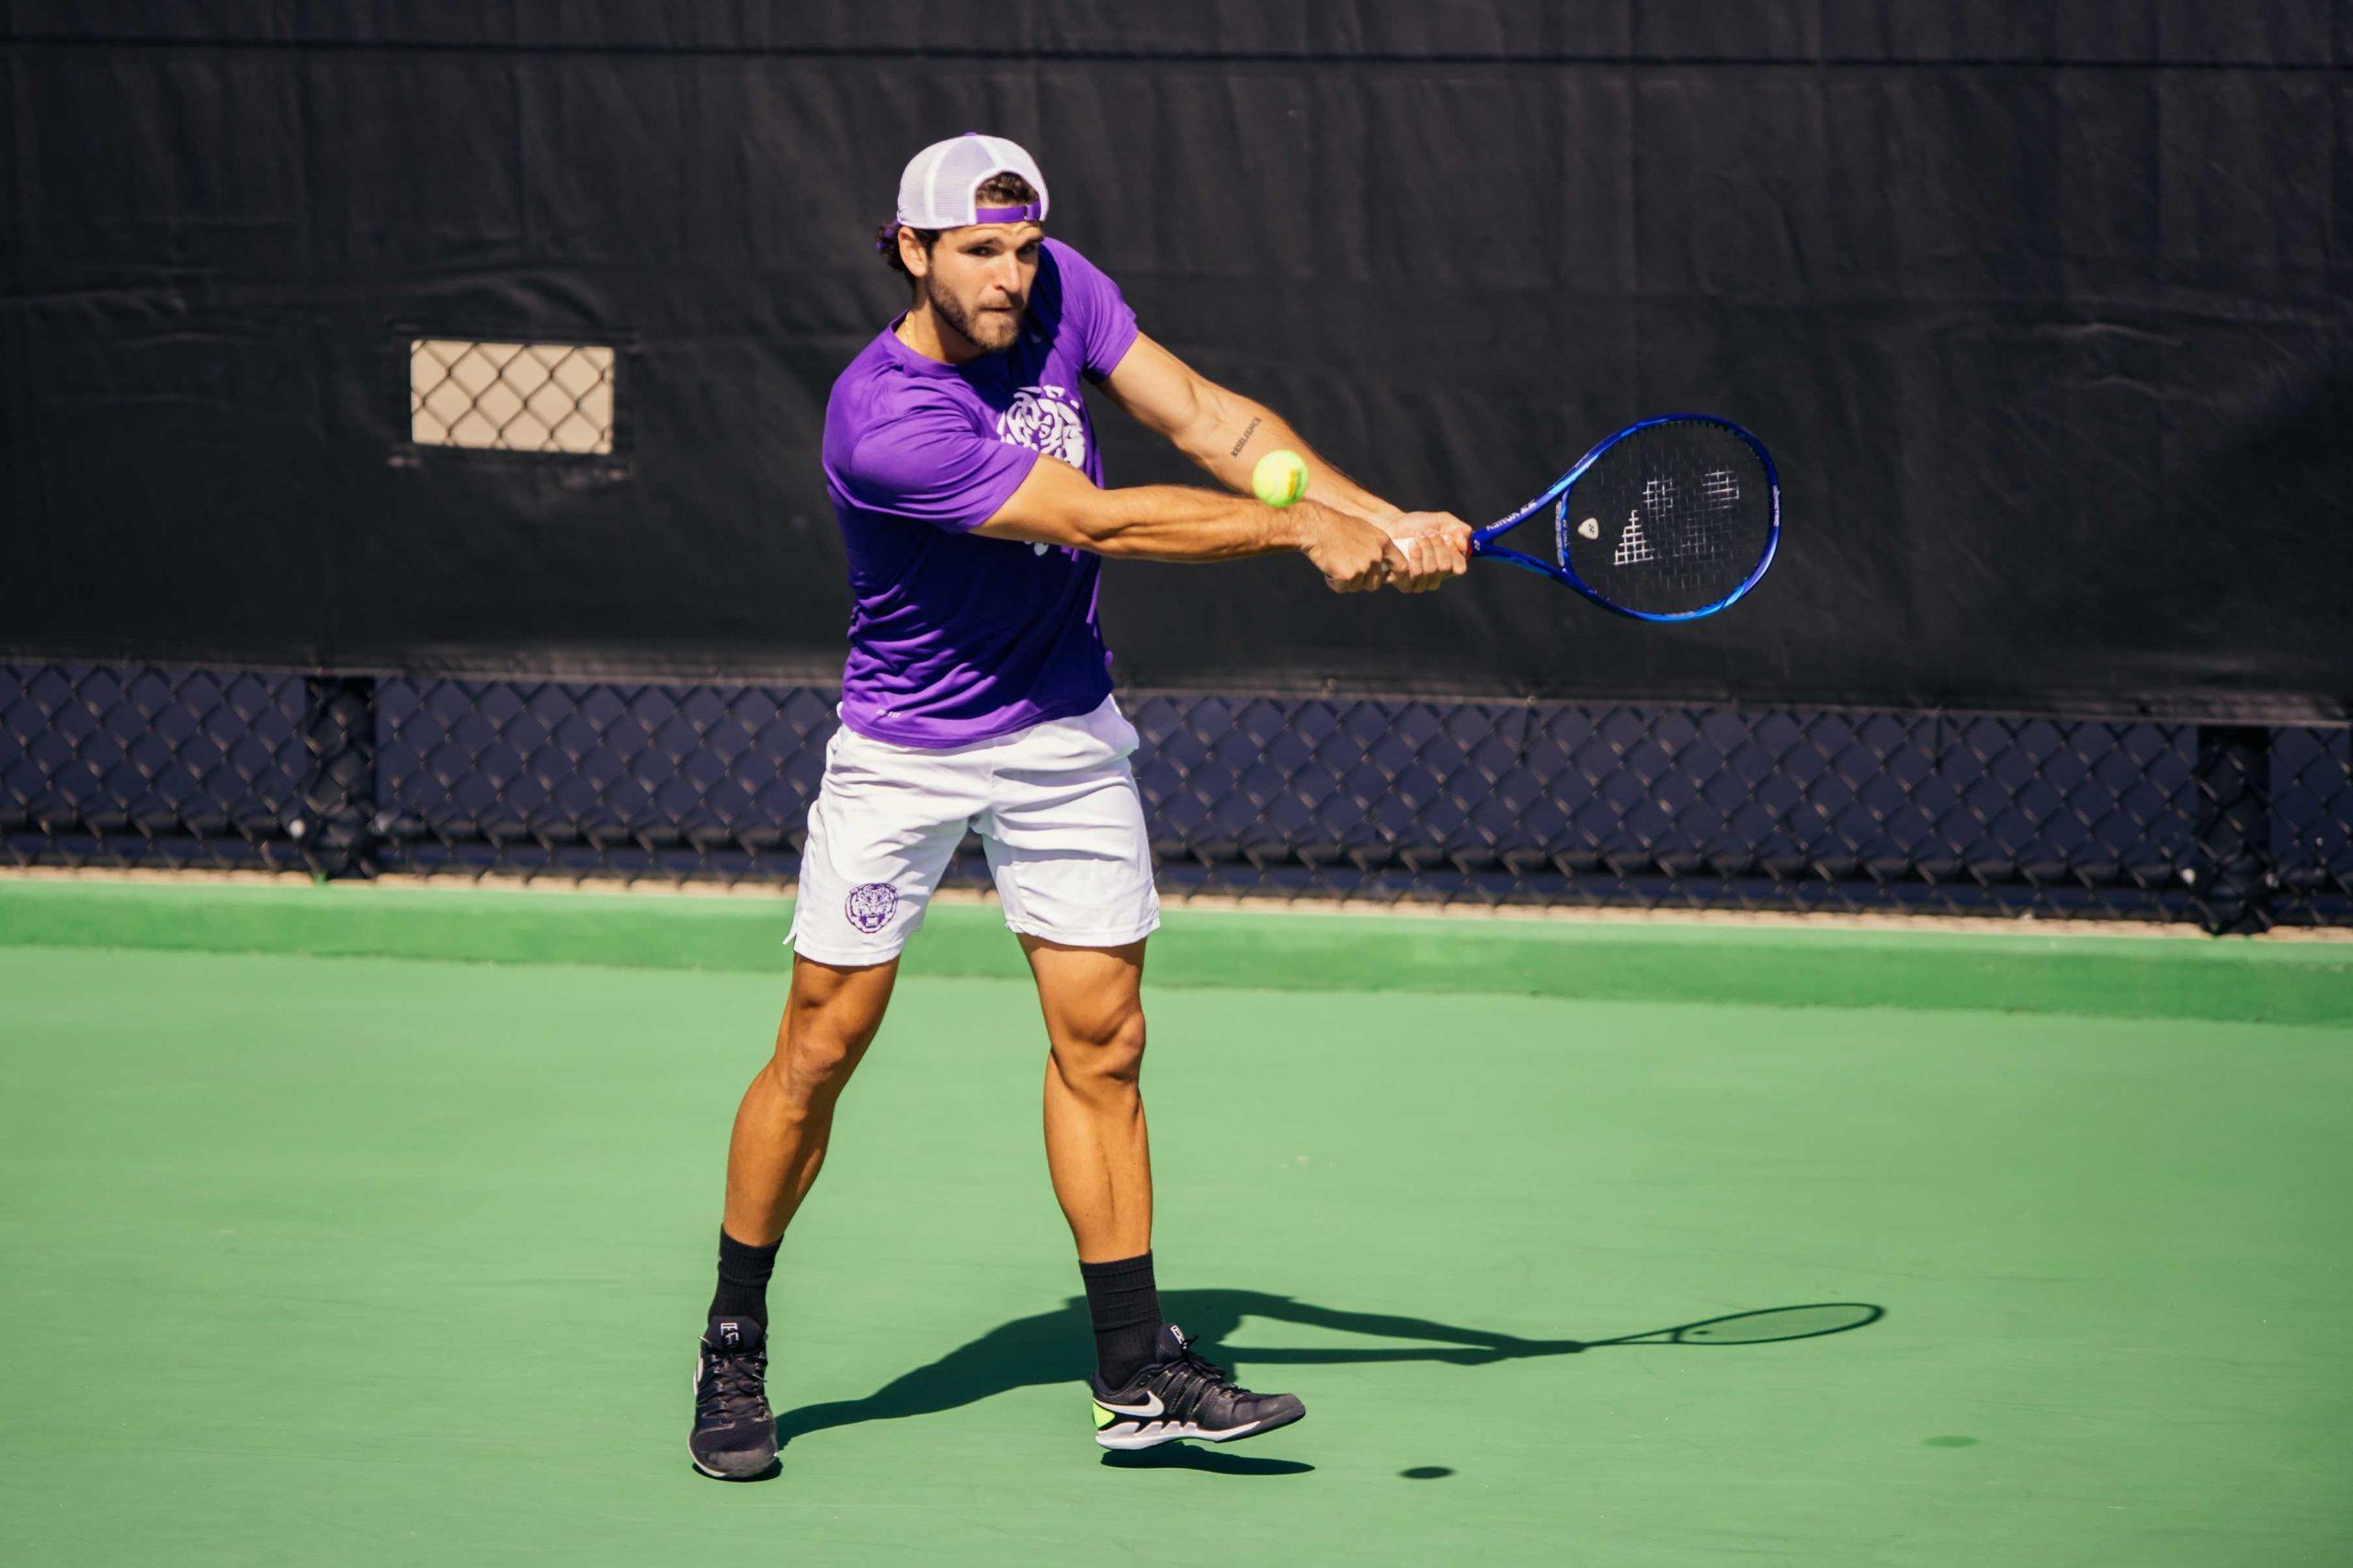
[{"x": 955, "y": 638}]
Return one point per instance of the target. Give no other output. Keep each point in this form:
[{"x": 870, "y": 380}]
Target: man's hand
[
  {"x": 1354, "y": 556},
  {"x": 1435, "y": 545}
]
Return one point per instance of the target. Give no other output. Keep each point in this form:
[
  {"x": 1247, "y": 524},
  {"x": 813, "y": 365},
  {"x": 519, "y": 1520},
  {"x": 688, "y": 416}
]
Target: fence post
[
  {"x": 2232, "y": 861},
  {"x": 336, "y": 829}
]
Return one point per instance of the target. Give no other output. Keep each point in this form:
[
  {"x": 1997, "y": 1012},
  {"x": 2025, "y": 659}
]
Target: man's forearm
[
  {"x": 1177, "y": 522},
  {"x": 1237, "y": 432},
  {"x": 1056, "y": 504}
]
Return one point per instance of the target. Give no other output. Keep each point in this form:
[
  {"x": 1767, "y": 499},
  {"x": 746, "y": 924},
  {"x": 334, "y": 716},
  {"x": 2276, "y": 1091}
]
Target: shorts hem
[
  {"x": 1102, "y": 936},
  {"x": 842, "y": 959}
]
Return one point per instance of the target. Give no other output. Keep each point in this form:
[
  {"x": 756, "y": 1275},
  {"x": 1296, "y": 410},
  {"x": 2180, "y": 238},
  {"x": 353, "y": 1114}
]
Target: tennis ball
[{"x": 1280, "y": 477}]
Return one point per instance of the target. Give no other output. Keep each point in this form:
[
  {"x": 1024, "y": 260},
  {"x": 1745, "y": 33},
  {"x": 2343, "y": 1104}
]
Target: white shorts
[{"x": 1058, "y": 814}]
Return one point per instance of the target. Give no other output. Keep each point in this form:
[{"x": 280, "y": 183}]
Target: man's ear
[{"x": 911, "y": 255}]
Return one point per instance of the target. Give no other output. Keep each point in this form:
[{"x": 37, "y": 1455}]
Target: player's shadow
[{"x": 1050, "y": 1347}]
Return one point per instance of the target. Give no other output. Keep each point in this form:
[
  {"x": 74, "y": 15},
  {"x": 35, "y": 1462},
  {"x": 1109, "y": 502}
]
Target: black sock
[
  {"x": 744, "y": 1279},
  {"x": 1125, "y": 1305}
]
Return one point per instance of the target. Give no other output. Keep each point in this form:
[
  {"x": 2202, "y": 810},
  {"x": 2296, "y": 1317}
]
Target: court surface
[{"x": 366, "y": 1259}]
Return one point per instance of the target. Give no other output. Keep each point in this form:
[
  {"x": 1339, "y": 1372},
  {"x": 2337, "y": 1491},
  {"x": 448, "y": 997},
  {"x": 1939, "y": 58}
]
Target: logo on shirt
[
  {"x": 1047, "y": 420},
  {"x": 870, "y": 905}
]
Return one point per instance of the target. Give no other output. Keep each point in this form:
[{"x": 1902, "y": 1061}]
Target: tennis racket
[{"x": 1669, "y": 519}]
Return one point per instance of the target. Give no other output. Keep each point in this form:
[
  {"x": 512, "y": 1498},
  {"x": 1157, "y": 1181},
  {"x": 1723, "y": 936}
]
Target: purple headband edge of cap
[{"x": 1027, "y": 212}]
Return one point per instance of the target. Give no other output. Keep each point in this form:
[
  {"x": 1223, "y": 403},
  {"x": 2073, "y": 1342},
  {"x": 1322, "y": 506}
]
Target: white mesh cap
[{"x": 938, "y": 190}]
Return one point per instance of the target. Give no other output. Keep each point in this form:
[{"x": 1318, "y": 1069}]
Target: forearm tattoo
[{"x": 1247, "y": 431}]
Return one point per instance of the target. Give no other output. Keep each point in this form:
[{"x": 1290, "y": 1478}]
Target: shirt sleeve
[
  {"x": 931, "y": 465},
  {"x": 1092, "y": 303}
]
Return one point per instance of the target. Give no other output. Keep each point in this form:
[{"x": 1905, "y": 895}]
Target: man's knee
[
  {"x": 816, "y": 1060},
  {"x": 827, "y": 1027},
  {"x": 1106, "y": 1046}
]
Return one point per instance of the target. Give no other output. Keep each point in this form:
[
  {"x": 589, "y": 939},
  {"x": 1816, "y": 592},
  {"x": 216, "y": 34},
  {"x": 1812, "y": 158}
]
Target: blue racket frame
[{"x": 1557, "y": 497}]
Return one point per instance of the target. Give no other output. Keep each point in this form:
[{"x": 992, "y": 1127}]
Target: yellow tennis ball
[{"x": 1280, "y": 477}]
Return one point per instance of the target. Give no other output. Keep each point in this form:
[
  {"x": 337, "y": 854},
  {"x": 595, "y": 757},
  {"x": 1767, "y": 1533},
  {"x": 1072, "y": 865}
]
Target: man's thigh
[
  {"x": 1089, "y": 995},
  {"x": 832, "y": 1012}
]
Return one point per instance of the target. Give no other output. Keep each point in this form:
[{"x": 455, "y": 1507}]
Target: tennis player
[{"x": 964, "y": 470}]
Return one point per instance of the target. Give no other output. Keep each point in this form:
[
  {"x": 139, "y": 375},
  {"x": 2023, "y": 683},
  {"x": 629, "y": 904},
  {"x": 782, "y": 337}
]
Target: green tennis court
[{"x": 326, "y": 1244}]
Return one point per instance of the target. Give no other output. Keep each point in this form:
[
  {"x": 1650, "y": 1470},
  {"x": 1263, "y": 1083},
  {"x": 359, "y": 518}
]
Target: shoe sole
[
  {"x": 765, "y": 1467},
  {"x": 1185, "y": 1431}
]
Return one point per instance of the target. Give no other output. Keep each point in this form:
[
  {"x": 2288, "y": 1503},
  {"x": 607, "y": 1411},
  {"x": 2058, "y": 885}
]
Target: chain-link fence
[
  {"x": 511, "y": 397},
  {"x": 2234, "y": 826}
]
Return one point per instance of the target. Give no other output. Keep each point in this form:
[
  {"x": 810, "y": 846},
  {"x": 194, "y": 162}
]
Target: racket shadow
[
  {"x": 1050, "y": 1347},
  {"x": 1766, "y": 1326}
]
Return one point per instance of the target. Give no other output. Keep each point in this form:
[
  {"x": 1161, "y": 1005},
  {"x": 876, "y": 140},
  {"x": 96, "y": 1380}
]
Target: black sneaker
[
  {"x": 735, "y": 1435},
  {"x": 1182, "y": 1396}
]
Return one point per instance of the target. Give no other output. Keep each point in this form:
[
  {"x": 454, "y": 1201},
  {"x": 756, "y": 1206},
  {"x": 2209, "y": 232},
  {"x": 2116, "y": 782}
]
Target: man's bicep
[
  {"x": 1054, "y": 505},
  {"x": 1160, "y": 392}
]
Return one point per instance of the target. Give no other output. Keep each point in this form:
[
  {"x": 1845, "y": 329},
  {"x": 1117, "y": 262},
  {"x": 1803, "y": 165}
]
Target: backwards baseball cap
[{"x": 940, "y": 188}]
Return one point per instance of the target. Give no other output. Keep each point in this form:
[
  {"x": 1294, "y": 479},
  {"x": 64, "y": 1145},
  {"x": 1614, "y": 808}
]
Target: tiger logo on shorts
[
  {"x": 870, "y": 905},
  {"x": 1046, "y": 419}
]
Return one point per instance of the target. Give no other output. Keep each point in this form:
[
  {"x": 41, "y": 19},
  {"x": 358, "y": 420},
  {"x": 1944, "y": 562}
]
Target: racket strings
[{"x": 1671, "y": 520}]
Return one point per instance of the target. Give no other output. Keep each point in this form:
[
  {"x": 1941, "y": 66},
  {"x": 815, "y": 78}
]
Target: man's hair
[{"x": 998, "y": 190}]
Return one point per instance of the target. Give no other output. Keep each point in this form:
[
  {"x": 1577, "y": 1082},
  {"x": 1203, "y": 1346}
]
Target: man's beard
[{"x": 985, "y": 330}]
